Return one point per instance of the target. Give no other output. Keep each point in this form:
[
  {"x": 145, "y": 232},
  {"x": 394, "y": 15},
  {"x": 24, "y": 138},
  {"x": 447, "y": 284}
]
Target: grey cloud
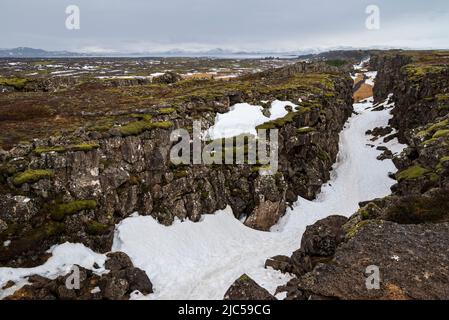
[{"x": 138, "y": 25}]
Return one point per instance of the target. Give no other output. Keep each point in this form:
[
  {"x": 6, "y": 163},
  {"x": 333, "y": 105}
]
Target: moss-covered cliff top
[
  {"x": 422, "y": 63},
  {"x": 98, "y": 105}
]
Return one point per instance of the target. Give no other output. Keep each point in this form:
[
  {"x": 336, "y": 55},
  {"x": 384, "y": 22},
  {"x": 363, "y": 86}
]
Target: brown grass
[{"x": 365, "y": 91}]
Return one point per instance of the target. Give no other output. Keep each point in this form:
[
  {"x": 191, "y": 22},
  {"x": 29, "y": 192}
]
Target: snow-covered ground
[{"x": 201, "y": 260}]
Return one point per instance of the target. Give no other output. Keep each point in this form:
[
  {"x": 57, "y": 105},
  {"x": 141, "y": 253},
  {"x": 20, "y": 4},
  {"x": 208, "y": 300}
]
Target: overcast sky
[{"x": 269, "y": 25}]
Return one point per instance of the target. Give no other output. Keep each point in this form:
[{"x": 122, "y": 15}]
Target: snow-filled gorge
[{"x": 201, "y": 260}]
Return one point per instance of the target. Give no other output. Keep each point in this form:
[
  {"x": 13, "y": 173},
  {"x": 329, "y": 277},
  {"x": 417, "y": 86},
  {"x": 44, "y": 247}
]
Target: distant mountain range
[{"x": 25, "y": 52}]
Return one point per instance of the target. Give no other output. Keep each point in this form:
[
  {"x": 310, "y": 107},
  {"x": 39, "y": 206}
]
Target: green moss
[
  {"x": 16, "y": 83},
  {"x": 370, "y": 211},
  {"x": 336, "y": 62},
  {"x": 138, "y": 127},
  {"x": 95, "y": 228},
  {"x": 244, "y": 278},
  {"x": 41, "y": 150},
  {"x": 180, "y": 174},
  {"x": 305, "y": 130},
  {"x": 418, "y": 71},
  {"x": 139, "y": 116},
  {"x": 442, "y": 98},
  {"x": 60, "y": 211},
  {"x": 417, "y": 209},
  {"x": 356, "y": 229},
  {"x": 31, "y": 176},
  {"x": 85, "y": 147},
  {"x": 257, "y": 169},
  {"x": 412, "y": 173},
  {"x": 61, "y": 149},
  {"x": 441, "y": 133},
  {"x": 204, "y": 195},
  {"x": 281, "y": 122},
  {"x": 46, "y": 231},
  {"x": 166, "y": 110}
]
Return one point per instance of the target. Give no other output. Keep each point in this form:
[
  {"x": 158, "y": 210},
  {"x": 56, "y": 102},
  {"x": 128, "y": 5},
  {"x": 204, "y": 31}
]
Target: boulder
[{"x": 245, "y": 288}]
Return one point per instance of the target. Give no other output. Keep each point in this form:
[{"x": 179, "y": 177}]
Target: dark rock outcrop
[
  {"x": 246, "y": 288},
  {"x": 122, "y": 280}
]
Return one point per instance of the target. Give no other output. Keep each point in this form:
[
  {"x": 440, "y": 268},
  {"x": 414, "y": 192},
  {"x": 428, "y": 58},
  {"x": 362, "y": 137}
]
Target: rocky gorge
[
  {"x": 77, "y": 186},
  {"x": 404, "y": 235}
]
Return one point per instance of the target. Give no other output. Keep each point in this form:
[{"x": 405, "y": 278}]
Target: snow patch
[{"x": 243, "y": 118}]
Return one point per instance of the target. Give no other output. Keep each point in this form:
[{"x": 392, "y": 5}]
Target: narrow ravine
[{"x": 201, "y": 260}]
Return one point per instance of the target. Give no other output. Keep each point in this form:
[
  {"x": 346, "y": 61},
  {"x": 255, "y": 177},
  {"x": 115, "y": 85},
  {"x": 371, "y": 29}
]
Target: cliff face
[
  {"x": 420, "y": 84},
  {"x": 77, "y": 186}
]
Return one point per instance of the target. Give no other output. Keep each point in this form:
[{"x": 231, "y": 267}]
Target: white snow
[
  {"x": 63, "y": 258},
  {"x": 95, "y": 290},
  {"x": 201, "y": 260},
  {"x": 371, "y": 77},
  {"x": 243, "y": 118},
  {"x": 362, "y": 64}
]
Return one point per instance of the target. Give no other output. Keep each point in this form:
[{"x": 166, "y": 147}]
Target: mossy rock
[
  {"x": 60, "y": 211},
  {"x": 441, "y": 133},
  {"x": 62, "y": 149},
  {"x": 84, "y": 147},
  {"x": 180, "y": 174},
  {"x": 138, "y": 127},
  {"x": 31, "y": 176},
  {"x": 166, "y": 111},
  {"x": 442, "y": 125},
  {"x": 16, "y": 83},
  {"x": 42, "y": 150},
  {"x": 336, "y": 62},
  {"x": 305, "y": 130},
  {"x": 46, "y": 231},
  {"x": 351, "y": 232},
  {"x": 370, "y": 211},
  {"x": 281, "y": 122},
  {"x": 244, "y": 278},
  {"x": 412, "y": 173},
  {"x": 95, "y": 228},
  {"x": 418, "y": 209}
]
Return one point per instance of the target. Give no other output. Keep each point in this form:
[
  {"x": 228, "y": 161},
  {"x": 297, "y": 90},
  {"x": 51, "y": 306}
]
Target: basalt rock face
[
  {"x": 77, "y": 186},
  {"x": 420, "y": 84}
]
